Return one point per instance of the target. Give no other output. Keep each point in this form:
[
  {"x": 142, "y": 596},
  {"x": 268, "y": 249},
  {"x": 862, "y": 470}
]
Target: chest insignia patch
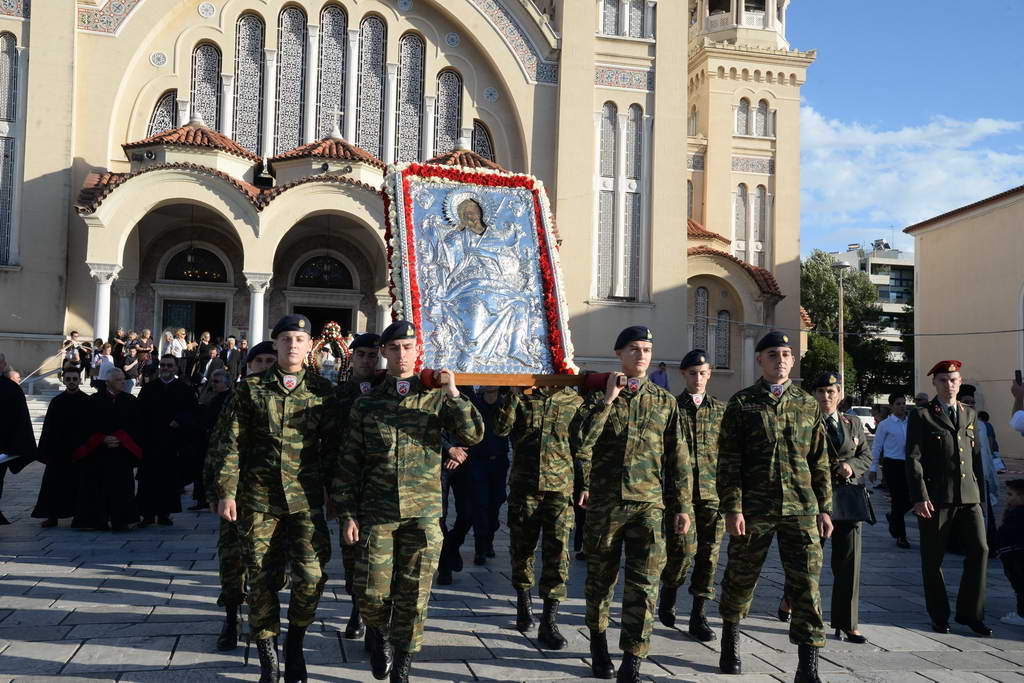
[
  {"x": 364, "y": 387},
  {"x": 290, "y": 382},
  {"x": 633, "y": 384},
  {"x": 777, "y": 390},
  {"x": 403, "y": 387},
  {"x": 697, "y": 399}
]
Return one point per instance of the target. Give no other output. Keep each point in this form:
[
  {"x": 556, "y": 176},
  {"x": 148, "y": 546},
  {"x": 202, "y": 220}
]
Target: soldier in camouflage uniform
[
  {"x": 229, "y": 549},
  {"x": 387, "y": 493},
  {"x": 540, "y": 498},
  {"x": 701, "y": 416},
  {"x": 773, "y": 478},
  {"x": 635, "y": 466},
  {"x": 275, "y": 462}
]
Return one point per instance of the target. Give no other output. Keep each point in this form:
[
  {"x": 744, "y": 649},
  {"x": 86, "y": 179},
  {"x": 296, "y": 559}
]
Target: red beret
[{"x": 946, "y": 366}]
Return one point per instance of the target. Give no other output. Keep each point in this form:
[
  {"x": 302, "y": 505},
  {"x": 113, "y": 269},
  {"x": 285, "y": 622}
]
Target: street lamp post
[{"x": 840, "y": 268}]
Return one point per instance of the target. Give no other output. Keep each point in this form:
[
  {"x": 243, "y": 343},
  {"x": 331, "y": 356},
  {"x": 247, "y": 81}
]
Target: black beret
[
  {"x": 398, "y": 330},
  {"x": 695, "y": 357},
  {"x": 296, "y": 322},
  {"x": 632, "y": 334},
  {"x": 827, "y": 379},
  {"x": 368, "y": 340},
  {"x": 261, "y": 348},
  {"x": 773, "y": 340}
]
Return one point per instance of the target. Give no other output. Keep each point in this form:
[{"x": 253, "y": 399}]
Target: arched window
[
  {"x": 743, "y": 117},
  {"x": 448, "y": 113},
  {"x": 691, "y": 126},
  {"x": 739, "y": 228},
  {"x": 206, "y": 84},
  {"x": 165, "y": 114},
  {"x": 411, "y": 57},
  {"x": 324, "y": 272},
  {"x": 610, "y": 17},
  {"x": 606, "y": 201},
  {"x": 291, "y": 79},
  {"x": 331, "y": 90},
  {"x": 8, "y": 144},
  {"x": 723, "y": 340},
  {"x": 689, "y": 199},
  {"x": 757, "y": 237},
  {"x": 483, "y": 143},
  {"x": 761, "y": 119},
  {"x": 633, "y": 229},
  {"x": 370, "y": 120},
  {"x": 700, "y": 318},
  {"x": 248, "y": 111},
  {"x": 8, "y": 77},
  {"x": 719, "y": 6},
  {"x": 196, "y": 265},
  {"x": 636, "y": 18}
]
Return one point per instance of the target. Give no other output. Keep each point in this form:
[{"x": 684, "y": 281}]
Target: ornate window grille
[
  {"x": 610, "y": 18},
  {"x": 606, "y": 201},
  {"x": 739, "y": 231},
  {"x": 758, "y": 232},
  {"x": 165, "y": 114},
  {"x": 206, "y": 84},
  {"x": 448, "y": 112},
  {"x": 8, "y": 156},
  {"x": 636, "y": 18},
  {"x": 691, "y": 124},
  {"x": 8, "y": 77},
  {"x": 411, "y": 62},
  {"x": 370, "y": 119},
  {"x": 700, "y": 318},
  {"x": 324, "y": 272},
  {"x": 483, "y": 143},
  {"x": 333, "y": 51},
  {"x": 689, "y": 199},
  {"x": 761, "y": 119},
  {"x": 291, "y": 78},
  {"x": 743, "y": 117},
  {"x": 723, "y": 340},
  {"x": 248, "y": 110},
  {"x": 196, "y": 265}
]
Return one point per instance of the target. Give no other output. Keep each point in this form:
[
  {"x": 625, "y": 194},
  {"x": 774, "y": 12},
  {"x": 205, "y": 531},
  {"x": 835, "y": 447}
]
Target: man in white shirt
[{"x": 890, "y": 450}]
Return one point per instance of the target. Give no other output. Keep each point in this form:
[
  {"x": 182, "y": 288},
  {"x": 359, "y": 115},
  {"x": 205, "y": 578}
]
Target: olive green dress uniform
[
  {"x": 389, "y": 480},
  {"x": 853, "y": 450},
  {"x": 635, "y": 465},
  {"x": 944, "y": 467},
  {"x": 275, "y": 465},
  {"x": 701, "y": 544},
  {"x": 540, "y": 484},
  {"x": 773, "y": 467}
]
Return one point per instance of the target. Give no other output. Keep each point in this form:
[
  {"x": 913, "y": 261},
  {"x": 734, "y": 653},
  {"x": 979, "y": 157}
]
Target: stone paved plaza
[{"x": 140, "y": 606}]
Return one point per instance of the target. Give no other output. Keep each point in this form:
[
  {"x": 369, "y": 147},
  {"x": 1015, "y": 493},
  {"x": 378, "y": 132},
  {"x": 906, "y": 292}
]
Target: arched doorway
[{"x": 323, "y": 288}]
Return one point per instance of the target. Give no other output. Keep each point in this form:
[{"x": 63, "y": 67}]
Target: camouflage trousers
[
  {"x": 699, "y": 546},
  {"x": 637, "y": 527},
  {"x": 395, "y": 567},
  {"x": 530, "y": 515},
  {"x": 272, "y": 542},
  {"x": 231, "y": 564},
  {"x": 800, "y": 548}
]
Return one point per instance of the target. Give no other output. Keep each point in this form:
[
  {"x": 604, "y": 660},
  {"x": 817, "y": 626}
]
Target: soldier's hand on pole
[
  {"x": 584, "y": 499},
  {"x": 924, "y": 509},
  {"x": 448, "y": 377},
  {"x": 227, "y": 509},
  {"x": 613, "y": 388},
  {"x": 825, "y": 525},
  {"x": 350, "y": 532},
  {"x": 735, "y": 524},
  {"x": 682, "y": 523}
]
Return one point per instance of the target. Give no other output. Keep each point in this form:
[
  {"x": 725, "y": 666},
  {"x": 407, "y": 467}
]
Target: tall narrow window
[
  {"x": 691, "y": 124},
  {"x": 757, "y": 237},
  {"x": 739, "y": 229},
  {"x": 331, "y": 89},
  {"x": 633, "y": 229},
  {"x": 206, "y": 84},
  {"x": 165, "y": 114},
  {"x": 483, "y": 143},
  {"x": 723, "y": 340},
  {"x": 636, "y": 18},
  {"x": 743, "y": 117},
  {"x": 448, "y": 113},
  {"x": 606, "y": 201},
  {"x": 411, "y": 58},
  {"x": 610, "y": 18},
  {"x": 689, "y": 199},
  {"x": 700, "y": 319},
  {"x": 8, "y": 77},
  {"x": 291, "y": 79},
  {"x": 761, "y": 119},
  {"x": 8, "y": 143},
  {"x": 248, "y": 123},
  {"x": 370, "y": 120}
]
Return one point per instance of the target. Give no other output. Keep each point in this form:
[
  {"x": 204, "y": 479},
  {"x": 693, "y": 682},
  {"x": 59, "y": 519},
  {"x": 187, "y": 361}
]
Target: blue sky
[{"x": 913, "y": 108}]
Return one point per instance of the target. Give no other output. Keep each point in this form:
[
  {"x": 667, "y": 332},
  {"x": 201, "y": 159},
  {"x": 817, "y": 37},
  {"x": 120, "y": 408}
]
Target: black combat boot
[
  {"x": 400, "y": 671},
  {"x": 729, "y": 661},
  {"x": 524, "y": 611},
  {"x": 355, "y": 630},
  {"x": 548, "y": 634},
  {"x": 629, "y": 670},
  {"x": 381, "y": 654},
  {"x": 228, "y": 638},
  {"x": 294, "y": 659},
  {"x": 699, "y": 627},
  {"x": 667, "y": 606},
  {"x": 600, "y": 660},
  {"x": 267, "y": 648},
  {"x": 807, "y": 670}
]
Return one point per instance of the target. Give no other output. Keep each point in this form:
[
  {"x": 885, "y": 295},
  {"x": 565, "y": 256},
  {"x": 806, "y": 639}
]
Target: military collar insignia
[
  {"x": 403, "y": 387},
  {"x": 697, "y": 399},
  {"x": 364, "y": 387},
  {"x": 777, "y": 390},
  {"x": 290, "y": 382},
  {"x": 633, "y": 384}
]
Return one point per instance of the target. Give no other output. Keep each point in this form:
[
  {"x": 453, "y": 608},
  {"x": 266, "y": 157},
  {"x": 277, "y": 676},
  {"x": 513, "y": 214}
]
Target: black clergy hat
[
  {"x": 632, "y": 334},
  {"x": 827, "y": 379},
  {"x": 773, "y": 340},
  {"x": 402, "y": 329},
  {"x": 695, "y": 357},
  {"x": 294, "y": 322},
  {"x": 261, "y": 348},
  {"x": 368, "y": 340}
]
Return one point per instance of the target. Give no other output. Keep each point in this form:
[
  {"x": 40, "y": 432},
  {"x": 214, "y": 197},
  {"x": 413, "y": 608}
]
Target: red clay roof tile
[
  {"x": 696, "y": 231},
  {"x": 330, "y": 148},
  {"x": 194, "y": 134},
  {"x": 465, "y": 158},
  {"x": 766, "y": 282}
]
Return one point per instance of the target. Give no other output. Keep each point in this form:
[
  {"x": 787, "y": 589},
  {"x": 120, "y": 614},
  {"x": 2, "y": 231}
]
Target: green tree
[{"x": 823, "y": 356}]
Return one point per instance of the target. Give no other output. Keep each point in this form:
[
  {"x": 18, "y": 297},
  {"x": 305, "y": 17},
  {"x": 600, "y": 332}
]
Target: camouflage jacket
[
  {"x": 539, "y": 425},
  {"x": 772, "y": 459},
  {"x": 390, "y": 467},
  {"x": 634, "y": 450},
  {"x": 215, "y": 452},
  {"x": 701, "y": 426},
  {"x": 272, "y": 449}
]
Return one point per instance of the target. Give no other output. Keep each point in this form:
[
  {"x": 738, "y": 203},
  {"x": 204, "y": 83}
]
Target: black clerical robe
[
  {"x": 62, "y": 435},
  {"x": 169, "y": 450},
  {"x": 16, "y": 435}
]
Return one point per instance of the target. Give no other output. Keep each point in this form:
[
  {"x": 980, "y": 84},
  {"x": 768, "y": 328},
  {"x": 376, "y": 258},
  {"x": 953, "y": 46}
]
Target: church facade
[{"x": 214, "y": 165}]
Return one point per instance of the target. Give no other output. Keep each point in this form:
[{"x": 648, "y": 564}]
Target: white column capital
[
  {"x": 312, "y": 32},
  {"x": 227, "y": 80},
  {"x": 353, "y": 36},
  {"x": 104, "y": 273},
  {"x": 258, "y": 282},
  {"x": 270, "y": 56},
  {"x": 123, "y": 287},
  {"x": 184, "y": 106},
  {"x": 466, "y": 138},
  {"x": 392, "y": 70}
]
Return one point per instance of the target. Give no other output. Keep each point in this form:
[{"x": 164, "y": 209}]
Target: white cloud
[{"x": 858, "y": 181}]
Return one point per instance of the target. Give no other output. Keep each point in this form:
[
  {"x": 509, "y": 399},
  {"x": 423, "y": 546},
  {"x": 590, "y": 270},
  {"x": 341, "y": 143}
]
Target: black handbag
[{"x": 851, "y": 503}]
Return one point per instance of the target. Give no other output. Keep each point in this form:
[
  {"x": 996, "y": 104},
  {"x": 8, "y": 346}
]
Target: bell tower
[{"x": 757, "y": 23}]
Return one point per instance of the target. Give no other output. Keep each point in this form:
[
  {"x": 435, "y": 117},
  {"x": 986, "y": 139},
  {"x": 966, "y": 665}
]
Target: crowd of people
[{"x": 409, "y": 464}]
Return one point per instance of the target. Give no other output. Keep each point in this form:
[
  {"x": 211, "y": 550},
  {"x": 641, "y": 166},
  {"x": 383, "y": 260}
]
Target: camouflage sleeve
[
  {"x": 730, "y": 459},
  {"x": 461, "y": 419},
  {"x": 678, "y": 468},
  {"x": 505, "y": 420},
  {"x": 817, "y": 461},
  {"x": 861, "y": 460},
  {"x": 229, "y": 444},
  {"x": 915, "y": 471},
  {"x": 215, "y": 453},
  {"x": 590, "y": 419},
  {"x": 330, "y": 439},
  {"x": 348, "y": 468}
]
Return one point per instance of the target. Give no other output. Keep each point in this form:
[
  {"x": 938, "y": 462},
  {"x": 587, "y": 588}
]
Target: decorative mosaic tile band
[
  {"x": 522, "y": 47},
  {"x": 754, "y": 165},
  {"x": 107, "y": 19},
  {"x": 618, "y": 77},
  {"x": 15, "y": 8},
  {"x": 695, "y": 162}
]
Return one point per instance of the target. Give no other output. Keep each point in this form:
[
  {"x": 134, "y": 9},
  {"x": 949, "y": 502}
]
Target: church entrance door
[
  {"x": 195, "y": 316},
  {"x": 319, "y": 317}
]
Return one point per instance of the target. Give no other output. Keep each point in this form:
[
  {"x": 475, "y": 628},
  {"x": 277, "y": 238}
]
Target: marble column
[
  {"x": 619, "y": 260},
  {"x": 312, "y": 72},
  {"x": 104, "y": 274},
  {"x": 227, "y": 104},
  {"x": 429, "y": 104},
  {"x": 390, "y": 105},
  {"x": 383, "y": 311},
  {"x": 351, "y": 84},
  {"x": 258, "y": 284},
  {"x": 184, "y": 104},
  {"x": 269, "y": 100}
]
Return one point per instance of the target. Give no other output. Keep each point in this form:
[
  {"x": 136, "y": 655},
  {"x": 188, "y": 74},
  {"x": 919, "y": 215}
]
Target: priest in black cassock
[
  {"x": 107, "y": 458},
  {"x": 16, "y": 435},
  {"x": 62, "y": 435},
  {"x": 168, "y": 406}
]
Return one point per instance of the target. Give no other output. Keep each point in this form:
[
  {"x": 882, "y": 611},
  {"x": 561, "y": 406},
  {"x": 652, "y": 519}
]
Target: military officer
[
  {"x": 540, "y": 498},
  {"x": 701, "y": 416},
  {"x": 635, "y": 465},
  {"x": 773, "y": 478},
  {"x": 849, "y": 457},
  {"x": 946, "y": 480},
  {"x": 271, "y": 479},
  {"x": 387, "y": 493}
]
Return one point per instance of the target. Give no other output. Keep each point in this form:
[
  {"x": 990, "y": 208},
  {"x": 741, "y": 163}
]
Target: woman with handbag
[{"x": 849, "y": 458}]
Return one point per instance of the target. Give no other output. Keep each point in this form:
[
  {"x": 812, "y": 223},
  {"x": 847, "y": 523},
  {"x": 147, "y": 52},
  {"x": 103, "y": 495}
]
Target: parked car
[{"x": 866, "y": 418}]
